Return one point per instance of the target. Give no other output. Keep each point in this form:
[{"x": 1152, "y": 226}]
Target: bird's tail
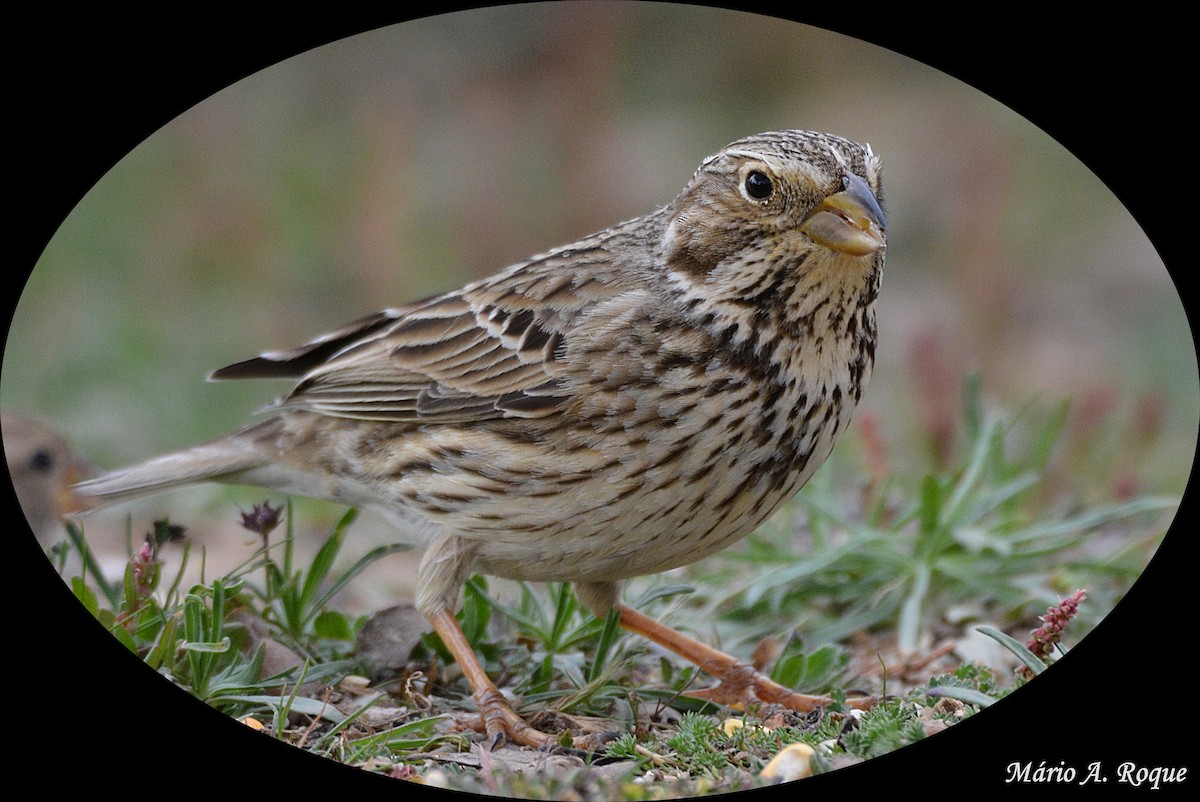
[{"x": 218, "y": 461}]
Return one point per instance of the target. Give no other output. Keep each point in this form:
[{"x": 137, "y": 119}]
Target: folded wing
[{"x": 480, "y": 352}]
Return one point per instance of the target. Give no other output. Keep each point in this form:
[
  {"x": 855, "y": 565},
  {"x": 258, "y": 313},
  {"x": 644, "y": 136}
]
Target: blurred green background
[{"x": 411, "y": 159}]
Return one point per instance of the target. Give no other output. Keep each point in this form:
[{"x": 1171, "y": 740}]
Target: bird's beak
[
  {"x": 849, "y": 221},
  {"x": 69, "y": 502}
]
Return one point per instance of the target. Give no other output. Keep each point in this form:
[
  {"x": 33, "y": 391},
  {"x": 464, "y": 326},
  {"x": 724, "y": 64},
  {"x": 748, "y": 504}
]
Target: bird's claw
[{"x": 741, "y": 685}]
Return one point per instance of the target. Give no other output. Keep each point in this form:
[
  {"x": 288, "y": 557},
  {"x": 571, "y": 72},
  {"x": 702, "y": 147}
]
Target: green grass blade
[
  {"x": 173, "y": 590},
  {"x": 91, "y": 567},
  {"x": 359, "y": 566},
  {"x": 564, "y": 607},
  {"x": 519, "y": 618},
  {"x": 299, "y": 704},
  {"x": 962, "y": 494},
  {"x": 661, "y": 592},
  {"x": 608, "y": 638},
  {"x": 929, "y": 514},
  {"x": 1045, "y": 439},
  {"x": 968, "y": 695},
  {"x": 207, "y": 647},
  {"x": 910, "y": 611},
  {"x": 1031, "y": 661},
  {"x": 477, "y": 609},
  {"x": 195, "y": 631},
  {"x": 85, "y": 596},
  {"x": 419, "y": 734},
  {"x": 1094, "y": 518},
  {"x": 289, "y": 541},
  {"x": 322, "y": 564}
]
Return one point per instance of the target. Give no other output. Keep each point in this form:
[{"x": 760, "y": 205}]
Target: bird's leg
[
  {"x": 500, "y": 721},
  {"x": 738, "y": 682},
  {"x": 444, "y": 567}
]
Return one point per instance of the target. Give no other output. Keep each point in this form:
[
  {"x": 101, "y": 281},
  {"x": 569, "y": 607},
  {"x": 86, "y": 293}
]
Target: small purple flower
[{"x": 262, "y": 519}]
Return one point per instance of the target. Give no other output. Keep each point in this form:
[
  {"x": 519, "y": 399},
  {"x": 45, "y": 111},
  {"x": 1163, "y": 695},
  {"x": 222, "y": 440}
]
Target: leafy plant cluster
[
  {"x": 982, "y": 529},
  {"x": 210, "y": 638},
  {"x": 989, "y": 530}
]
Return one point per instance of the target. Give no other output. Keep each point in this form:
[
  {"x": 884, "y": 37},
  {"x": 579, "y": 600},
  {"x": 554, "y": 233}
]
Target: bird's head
[{"x": 779, "y": 199}]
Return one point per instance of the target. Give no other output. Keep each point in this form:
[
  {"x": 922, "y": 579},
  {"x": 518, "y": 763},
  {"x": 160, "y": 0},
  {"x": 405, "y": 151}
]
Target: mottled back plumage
[{"x": 628, "y": 403}]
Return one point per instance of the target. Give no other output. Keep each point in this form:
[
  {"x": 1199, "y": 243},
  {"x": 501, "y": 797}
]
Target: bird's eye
[
  {"x": 42, "y": 461},
  {"x": 758, "y": 185}
]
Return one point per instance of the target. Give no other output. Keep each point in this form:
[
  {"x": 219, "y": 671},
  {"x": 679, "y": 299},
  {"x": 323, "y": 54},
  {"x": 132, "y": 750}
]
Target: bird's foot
[
  {"x": 740, "y": 685},
  {"x": 504, "y": 726},
  {"x": 496, "y": 716}
]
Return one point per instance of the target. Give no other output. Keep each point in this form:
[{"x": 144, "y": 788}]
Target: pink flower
[{"x": 1054, "y": 622}]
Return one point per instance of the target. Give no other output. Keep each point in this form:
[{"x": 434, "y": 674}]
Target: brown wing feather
[
  {"x": 489, "y": 350},
  {"x": 296, "y": 362}
]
